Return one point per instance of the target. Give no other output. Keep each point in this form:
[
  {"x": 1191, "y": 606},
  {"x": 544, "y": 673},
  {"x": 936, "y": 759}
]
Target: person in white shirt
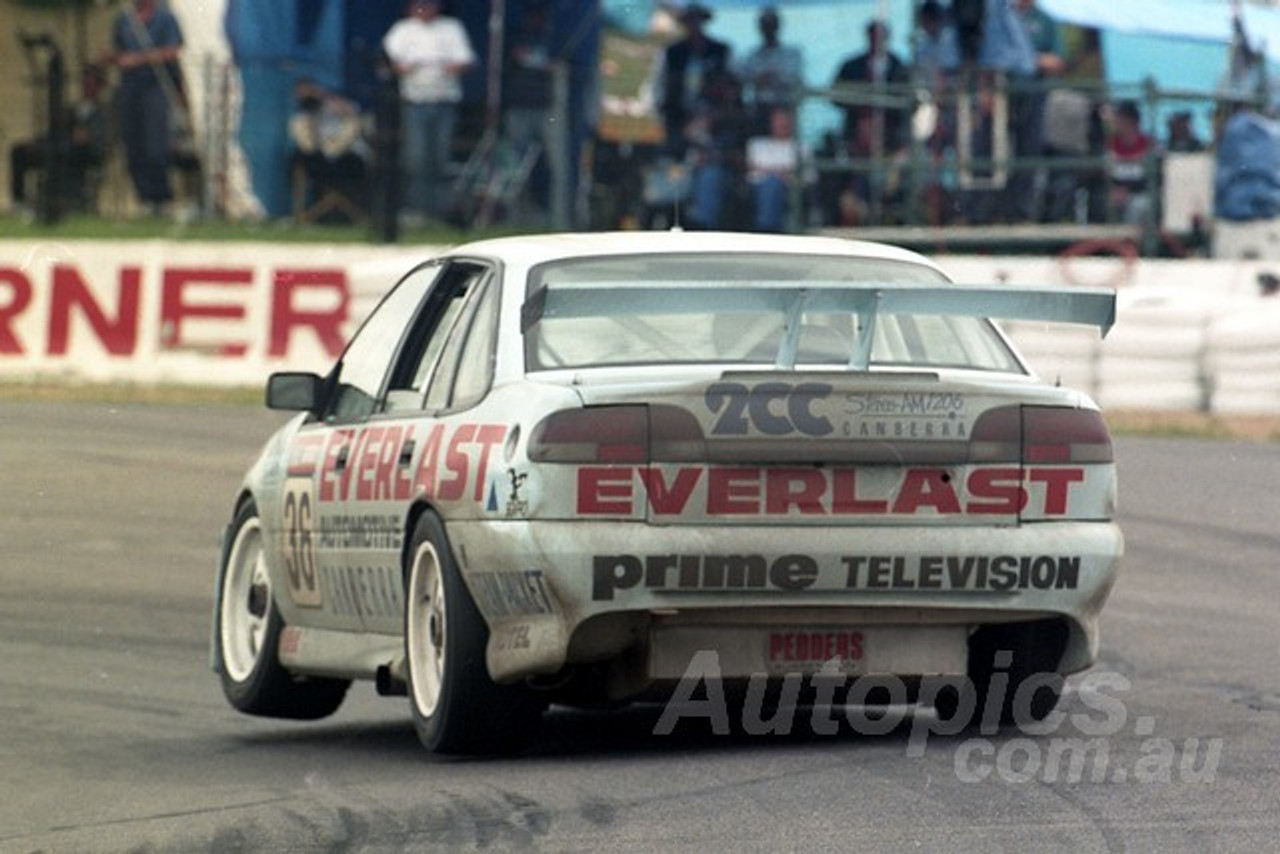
[
  {"x": 773, "y": 162},
  {"x": 429, "y": 52}
]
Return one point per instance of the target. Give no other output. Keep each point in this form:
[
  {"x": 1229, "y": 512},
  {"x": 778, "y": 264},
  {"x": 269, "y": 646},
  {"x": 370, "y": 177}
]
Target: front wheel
[
  {"x": 248, "y": 631},
  {"x": 456, "y": 707}
]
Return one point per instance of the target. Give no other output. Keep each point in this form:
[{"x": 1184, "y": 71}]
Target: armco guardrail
[{"x": 1191, "y": 334}]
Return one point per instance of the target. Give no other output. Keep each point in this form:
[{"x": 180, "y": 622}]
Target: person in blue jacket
[
  {"x": 1247, "y": 165},
  {"x": 146, "y": 42}
]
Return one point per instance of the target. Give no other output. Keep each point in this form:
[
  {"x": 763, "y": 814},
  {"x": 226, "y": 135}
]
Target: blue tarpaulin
[
  {"x": 337, "y": 43},
  {"x": 1185, "y": 20}
]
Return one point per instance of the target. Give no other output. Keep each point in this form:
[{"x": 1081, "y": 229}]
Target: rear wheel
[
  {"x": 456, "y": 707},
  {"x": 249, "y": 627}
]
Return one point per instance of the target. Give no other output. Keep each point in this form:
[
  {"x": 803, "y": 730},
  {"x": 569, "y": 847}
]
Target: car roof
[{"x": 529, "y": 250}]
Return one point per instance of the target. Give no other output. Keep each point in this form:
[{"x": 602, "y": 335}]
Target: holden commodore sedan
[{"x": 558, "y": 468}]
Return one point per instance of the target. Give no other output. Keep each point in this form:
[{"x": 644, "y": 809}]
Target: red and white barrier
[{"x": 1190, "y": 335}]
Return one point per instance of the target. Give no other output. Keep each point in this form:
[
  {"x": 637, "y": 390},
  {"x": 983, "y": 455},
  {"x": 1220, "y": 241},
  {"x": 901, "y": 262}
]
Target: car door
[
  {"x": 353, "y": 471},
  {"x": 423, "y": 442}
]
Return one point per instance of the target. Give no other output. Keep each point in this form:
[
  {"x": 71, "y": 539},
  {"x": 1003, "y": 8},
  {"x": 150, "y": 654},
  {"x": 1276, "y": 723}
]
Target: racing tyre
[
  {"x": 1012, "y": 668},
  {"x": 248, "y": 632},
  {"x": 456, "y": 707}
]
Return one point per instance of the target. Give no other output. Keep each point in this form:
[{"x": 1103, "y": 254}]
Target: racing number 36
[{"x": 299, "y": 548}]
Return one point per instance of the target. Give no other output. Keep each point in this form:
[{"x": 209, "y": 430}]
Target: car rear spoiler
[{"x": 1080, "y": 305}]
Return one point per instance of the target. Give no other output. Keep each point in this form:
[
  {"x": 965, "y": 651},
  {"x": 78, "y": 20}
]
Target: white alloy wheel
[
  {"x": 246, "y": 603},
  {"x": 425, "y": 627}
]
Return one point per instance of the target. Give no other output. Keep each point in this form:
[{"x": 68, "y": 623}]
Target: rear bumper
[{"x": 557, "y": 593}]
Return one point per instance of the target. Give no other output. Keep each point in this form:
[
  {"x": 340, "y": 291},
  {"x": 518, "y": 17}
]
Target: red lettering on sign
[
  {"x": 1057, "y": 483},
  {"x": 403, "y": 482},
  {"x": 175, "y": 307},
  {"x": 351, "y": 465},
  {"x": 457, "y": 464},
  {"x": 488, "y": 436},
  {"x": 367, "y": 465},
  {"x": 799, "y": 488},
  {"x": 286, "y": 317},
  {"x": 926, "y": 488},
  {"x": 669, "y": 500},
  {"x": 604, "y": 490},
  {"x": 733, "y": 492},
  {"x": 338, "y": 440},
  {"x": 119, "y": 337},
  {"x": 383, "y": 489},
  {"x": 19, "y": 299},
  {"x": 424, "y": 478},
  {"x": 844, "y": 495},
  {"x": 1000, "y": 487},
  {"x": 781, "y": 491}
]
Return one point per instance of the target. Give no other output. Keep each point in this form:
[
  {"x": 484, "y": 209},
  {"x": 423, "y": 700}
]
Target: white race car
[{"x": 554, "y": 469}]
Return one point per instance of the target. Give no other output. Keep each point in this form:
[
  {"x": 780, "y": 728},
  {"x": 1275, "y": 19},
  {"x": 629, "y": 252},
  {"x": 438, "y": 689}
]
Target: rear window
[{"x": 739, "y": 310}]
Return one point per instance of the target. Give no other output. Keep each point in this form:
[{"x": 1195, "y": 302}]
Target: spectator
[
  {"x": 1247, "y": 165},
  {"x": 1180, "y": 136},
  {"x": 772, "y": 75},
  {"x": 86, "y": 145},
  {"x": 429, "y": 52},
  {"x": 937, "y": 60},
  {"x": 528, "y": 91},
  {"x": 1127, "y": 152},
  {"x": 686, "y": 67},
  {"x": 874, "y": 133},
  {"x": 716, "y": 137},
  {"x": 937, "y": 47},
  {"x": 859, "y": 76},
  {"x": 147, "y": 42},
  {"x": 773, "y": 162},
  {"x": 328, "y": 138},
  {"x": 1073, "y": 128}
]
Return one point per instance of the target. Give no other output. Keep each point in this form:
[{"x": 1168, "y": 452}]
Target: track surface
[{"x": 114, "y": 736}]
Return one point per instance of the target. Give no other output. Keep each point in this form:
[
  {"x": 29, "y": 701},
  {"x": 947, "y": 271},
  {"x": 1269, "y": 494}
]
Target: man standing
[
  {"x": 687, "y": 66},
  {"x": 429, "y": 52},
  {"x": 875, "y": 68},
  {"x": 147, "y": 42},
  {"x": 772, "y": 74}
]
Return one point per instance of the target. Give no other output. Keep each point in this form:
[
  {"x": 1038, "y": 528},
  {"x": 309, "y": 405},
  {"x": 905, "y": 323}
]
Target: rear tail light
[
  {"x": 617, "y": 434},
  {"x": 1058, "y": 435},
  {"x": 596, "y": 434},
  {"x": 1040, "y": 434}
]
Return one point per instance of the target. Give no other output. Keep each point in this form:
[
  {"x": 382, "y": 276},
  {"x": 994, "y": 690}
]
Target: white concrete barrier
[{"x": 1192, "y": 334}]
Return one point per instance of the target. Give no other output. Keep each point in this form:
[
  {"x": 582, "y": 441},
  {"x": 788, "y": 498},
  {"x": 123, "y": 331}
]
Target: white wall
[{"x": 1193, "y": 334}]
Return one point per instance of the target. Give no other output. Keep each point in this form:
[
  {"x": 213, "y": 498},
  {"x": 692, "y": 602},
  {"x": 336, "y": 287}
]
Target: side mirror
[{"x": 295, "y": 391}]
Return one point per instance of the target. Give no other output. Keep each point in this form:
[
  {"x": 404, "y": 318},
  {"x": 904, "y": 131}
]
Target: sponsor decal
[
  {"x": 796, "y": 572},
  {"x": 513, "y": 638},
  {"x": 809, "y": 491},
  {"x": 516, "y": 507},
  {"x": 511, "y": 593},
  {"x": 380, "y": 462},
  {"x": 813, "y": 409},
  {"x": 367, "y": 531},
  {"x": 363, "y": 592},
  {"x": 838, "y": 650},
  {"x": 298, "y": 545}
]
